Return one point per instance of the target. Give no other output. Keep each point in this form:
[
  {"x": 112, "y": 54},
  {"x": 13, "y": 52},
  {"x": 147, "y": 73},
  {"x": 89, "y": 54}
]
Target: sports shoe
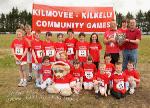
[
  {"x": 24, "y": 84},
  {"x": 131, "y": 91},
  {"x": 97, "y": 95},
  {"x": 29, "y": 79},
  {"x": 37, "y": 84},
  {"x": 20, "y": 84}
]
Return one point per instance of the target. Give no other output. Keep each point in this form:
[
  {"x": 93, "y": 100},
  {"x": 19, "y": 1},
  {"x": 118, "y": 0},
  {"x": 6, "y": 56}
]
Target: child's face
[
  {"x": 102, "y": 69},
  {"x": 76, "y": 65},
  {"x": 82, "y": 38},
  {"x": 28, "y": 31},
  {"x": 60, "y": 38},
  {"x": 48, "y": 37},
  {"x": 46, "y": 62},
  {"x": 37, "y": 36},
  {"x": 70, "y": 34},
  {"x": 89, "y": 61},
  {"x": 19, "y": 34},
  {"x": 94, "y": 38},
  {"x": 124, "y": 24},
  {"x": 118, "y": 68},
  {"x": 130, "y": 66},
  {"x": 107, "y": 59},
  {"x": 63, "y": 57}
]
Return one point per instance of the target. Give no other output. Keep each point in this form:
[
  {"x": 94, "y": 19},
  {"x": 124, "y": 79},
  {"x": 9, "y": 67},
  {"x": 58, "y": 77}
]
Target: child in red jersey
[
  {"x": 95, "y": 48},
  {"x": 82, "y": 49},
  {"x": 49, "y": 47},
  {"x": 78, "y": 72},
  {"x": 46, "y": 73},
  {"x": 19, "y": 48},
  {"x": 37, "y": 55},
  {"x": 110, "y": 68},
  {"x": 119, "y": 82},
  {"x": 60, "y": 44},
  {"x": 133, "y": 77},
  {"x": 89, "y": 72},
  {"x": 71, "y": 43},
  {"x": 100, "y": 81},
  {"x": 29, "y": 37}
]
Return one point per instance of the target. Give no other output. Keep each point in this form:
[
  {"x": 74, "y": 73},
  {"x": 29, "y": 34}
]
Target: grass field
[{"x": 13, "y": 97}]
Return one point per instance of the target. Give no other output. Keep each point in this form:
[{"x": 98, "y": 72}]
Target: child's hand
[
  {"x": 95, "y": 82},
  {"x": 16, "y": 59},
  {"x": 36, "y": 61}
]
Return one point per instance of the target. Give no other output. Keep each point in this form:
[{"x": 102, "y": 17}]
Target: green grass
[{"x": 13, "y": 97}]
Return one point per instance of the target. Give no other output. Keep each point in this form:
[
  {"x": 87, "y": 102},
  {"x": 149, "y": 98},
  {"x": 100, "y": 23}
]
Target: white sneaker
[
  {"x": 131, "y": 91},
  {"x": 20, "y": 84},
  {"x": 24, "y": 84}
]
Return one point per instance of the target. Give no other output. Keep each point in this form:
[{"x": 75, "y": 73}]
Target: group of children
[{"x": 82, "y": 57}]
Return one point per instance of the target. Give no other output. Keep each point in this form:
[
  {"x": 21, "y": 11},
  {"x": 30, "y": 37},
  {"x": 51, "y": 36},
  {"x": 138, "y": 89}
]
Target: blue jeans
[{"x": 129, "y": 55}]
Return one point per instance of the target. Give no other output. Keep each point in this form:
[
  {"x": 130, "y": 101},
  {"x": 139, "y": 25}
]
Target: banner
[{"x": 80, "y": 19}]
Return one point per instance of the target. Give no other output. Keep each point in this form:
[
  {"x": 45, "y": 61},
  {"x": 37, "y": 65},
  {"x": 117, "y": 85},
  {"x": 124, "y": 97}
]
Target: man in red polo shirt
[{"x": 133, "y": 37}]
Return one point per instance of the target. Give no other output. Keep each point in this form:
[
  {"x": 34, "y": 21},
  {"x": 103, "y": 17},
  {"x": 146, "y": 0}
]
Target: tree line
[{"x": 11, "y": 21}]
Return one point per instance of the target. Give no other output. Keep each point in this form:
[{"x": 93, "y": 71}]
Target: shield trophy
[{"x": 120, "y": 38}]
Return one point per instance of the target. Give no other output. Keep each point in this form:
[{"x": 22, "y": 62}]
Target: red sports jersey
[
  {"x": 37, "y": 47},
  {"x": 111, "y": 47},
  {"x": 132, "y": 73},
  {"x": 118, "y": 82},
  {"x": 102, "y": 78},
  {"x": 46, "y": 72},
  {"x": 82, "y": 48},
  {"x": 60, "y": 46},
  {"x": 49, "y": 50},
  {"x": 110, "y": 68},
  {"x": 94, "y": 49},
  {"x": 66, "y": 79},
  {"x": 78, "y": 73},
  {"x": 89, "y": 72},
  {"x": 71, "y": 43},
  {"x": 19, "y": 48}
]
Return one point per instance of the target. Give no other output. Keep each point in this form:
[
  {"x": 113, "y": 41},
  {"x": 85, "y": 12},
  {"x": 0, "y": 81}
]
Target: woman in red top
[{"x": 95, "y": 48}]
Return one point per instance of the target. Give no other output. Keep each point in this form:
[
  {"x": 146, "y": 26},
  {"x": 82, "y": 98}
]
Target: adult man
[
  {"x": 133, "y": 37},
  {"x": 111, "y": 45}
]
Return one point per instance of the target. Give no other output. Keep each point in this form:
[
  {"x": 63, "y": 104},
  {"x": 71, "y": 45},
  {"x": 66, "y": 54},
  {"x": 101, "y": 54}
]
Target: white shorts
[
  {"x": 21, "y": 63},
  {"x": 29, "y": 57},
  {"x": 62, "y": 86},
  {"x": 88, "y": 84},
  {"x": 36, "y": 66}
]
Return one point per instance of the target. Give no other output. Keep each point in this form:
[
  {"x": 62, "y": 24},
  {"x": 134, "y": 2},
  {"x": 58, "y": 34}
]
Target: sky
[{"x": 122, "y": 6}]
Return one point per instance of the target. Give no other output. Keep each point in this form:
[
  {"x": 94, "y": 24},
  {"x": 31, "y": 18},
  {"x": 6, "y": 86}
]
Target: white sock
[
  {"x": 21, "y": 80},
  {"x": 25, "y": 80}
]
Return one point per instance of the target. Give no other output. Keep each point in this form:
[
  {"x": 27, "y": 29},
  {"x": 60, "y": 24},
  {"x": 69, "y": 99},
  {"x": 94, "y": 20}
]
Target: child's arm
[
  {"x": 77, "y": 52},
  {"x": 12, "y": 50},
  {"x": 137, "y": 80},
  {"x": 34, "y": 56},
  {"x": 24, "y": 54},
  {"x": 41, "y": 77},
  {"x": 105, "y": 89}
]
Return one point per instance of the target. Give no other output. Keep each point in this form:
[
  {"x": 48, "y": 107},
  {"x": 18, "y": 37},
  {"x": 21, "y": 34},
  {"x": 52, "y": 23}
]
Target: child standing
[
  {"x": 82, "y": 49},
  {"x": 46, "y": 73},
  {"x": 100, "y": 81},
  {"x": 19, "y": 48},
  {"x": 60, "y": 44},
  {"x": 89, "y": 72},
  {"x": 95, "y": 48},
  {"x": 71, "y": 43},
  {"x": 133, "y": 77},
  {"x": 118, "y": 82},
  {"x": 29, "y": 37},
  {"x": 49, "y": 47},
  {"x": 37, "y": 55}
]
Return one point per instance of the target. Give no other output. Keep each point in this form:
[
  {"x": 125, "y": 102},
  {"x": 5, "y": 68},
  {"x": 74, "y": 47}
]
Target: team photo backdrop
[{"x": 51, "y": 17}]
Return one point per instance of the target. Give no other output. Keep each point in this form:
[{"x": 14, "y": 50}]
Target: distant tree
[
  {"x": 119, "y": 18},
  {"x": 147, "y": 21},
  {"x": 2, "y": 22}
]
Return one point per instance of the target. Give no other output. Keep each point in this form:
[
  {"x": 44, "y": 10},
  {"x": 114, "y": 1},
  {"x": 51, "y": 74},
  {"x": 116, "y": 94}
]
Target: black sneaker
[
  {"x": 29, "y": 79},
  {"x": 97, "y": 95}
]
